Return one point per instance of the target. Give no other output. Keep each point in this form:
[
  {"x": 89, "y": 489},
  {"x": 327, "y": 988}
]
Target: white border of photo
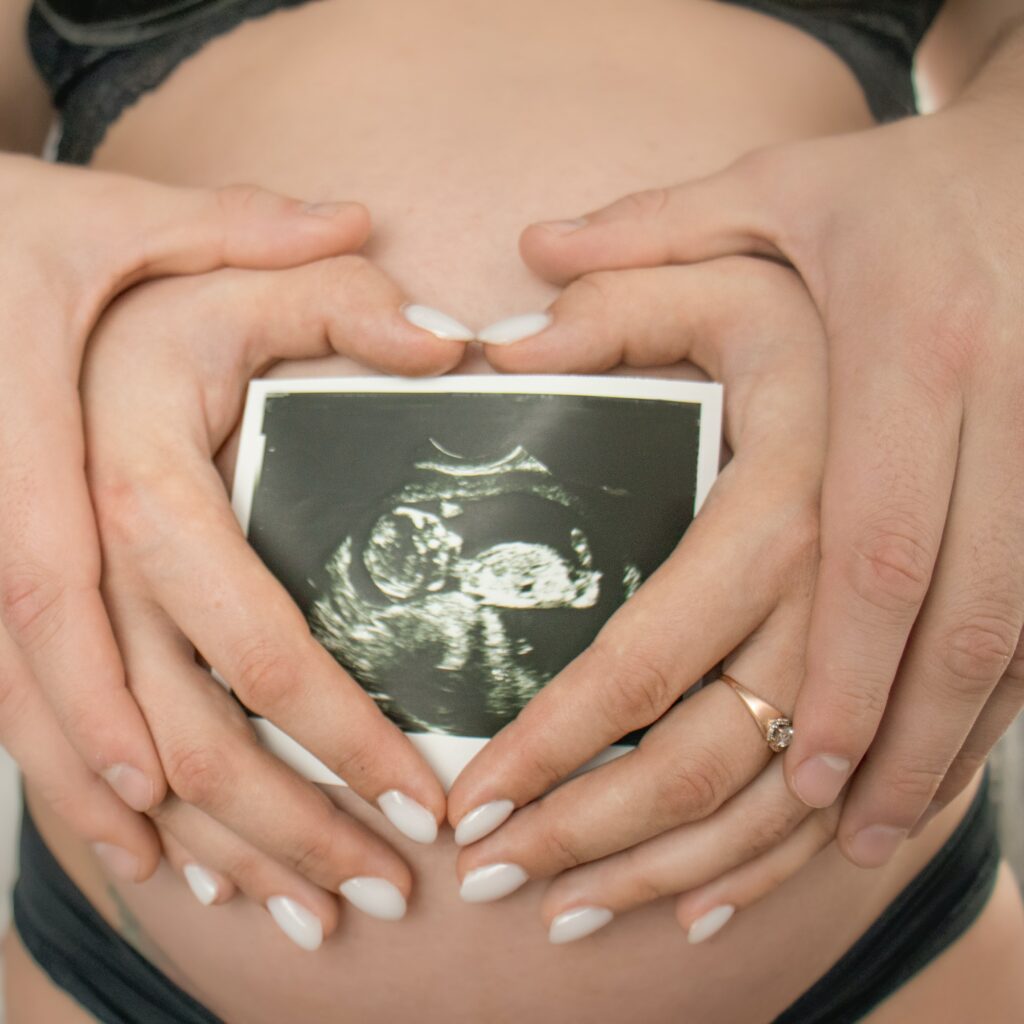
[{"x": 448, "y": 755}]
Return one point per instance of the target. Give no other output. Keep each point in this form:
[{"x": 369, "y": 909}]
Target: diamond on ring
[{"x": 779, "y": 734}]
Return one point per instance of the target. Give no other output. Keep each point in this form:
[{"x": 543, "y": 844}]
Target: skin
[
  {"x": 644, "y": 924},
  {"x": 919, "y": 601}
]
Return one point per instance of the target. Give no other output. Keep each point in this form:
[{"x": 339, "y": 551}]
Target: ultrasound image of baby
[{"x": 471, "y": 588}]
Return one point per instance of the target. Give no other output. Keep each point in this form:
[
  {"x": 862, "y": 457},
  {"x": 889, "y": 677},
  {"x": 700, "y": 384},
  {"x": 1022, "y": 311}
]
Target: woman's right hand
[
  {"x": 72, "y": 240},
  {"x": 164, "y": 384}
]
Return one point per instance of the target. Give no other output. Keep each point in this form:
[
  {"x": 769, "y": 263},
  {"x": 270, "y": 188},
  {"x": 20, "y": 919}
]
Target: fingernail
[
  {"x": 515, "y": 328},
  {"x": 203, "y": 885},
  {"x": 118, "y": 861},
  {"x": 302, "y": 926},
  {"x": 922, "y": 823},
  {"x": 564, "y": 227},
  {"x": 577, "y": 923},
  {"x": 325, "y": 209},
  {"x": 376, "y": 897},
  {"x": 873, "y": 846},
  {"x": 439, "y": 324},
  {"x": 482, "y": 821},
  {"x": 492, "y": 882},
  {"x": 134, "y": 788},
  {"x": 819, "y": 780},
  {"x": 412, "y": 819},
  {"x": 708, "y": 924}
]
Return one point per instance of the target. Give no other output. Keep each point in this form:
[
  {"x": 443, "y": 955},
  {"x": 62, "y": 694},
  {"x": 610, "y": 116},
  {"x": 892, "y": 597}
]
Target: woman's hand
[
  {"x": 71, "y": 241},
  {"x": 737, "y": 585},
  {"x": 164, "y": 382},
  {"x": 909, "y": 239}
]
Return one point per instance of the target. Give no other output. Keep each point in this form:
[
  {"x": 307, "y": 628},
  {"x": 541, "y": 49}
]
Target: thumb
[
  {"x": 731, "y": 212},
  {"x": 119, "y": 230},
  {"x": 190, "y": 231}
]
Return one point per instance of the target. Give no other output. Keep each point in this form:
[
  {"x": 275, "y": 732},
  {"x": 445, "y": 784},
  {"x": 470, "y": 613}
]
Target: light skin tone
[
  {"x": 914, "y": 665},
  {"x": 74, "y": 240},
  {"x": 737, "y": 670},
  {"x": 150, "y": 452}
]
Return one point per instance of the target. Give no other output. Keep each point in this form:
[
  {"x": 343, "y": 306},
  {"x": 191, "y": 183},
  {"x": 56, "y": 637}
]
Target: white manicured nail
[
  {"x": 492, "y": 882},
  {"x": 412, "y": 819},
  {"x": 441, "y": 325},
  {"x": 203, "y": 885},
  {"x": 579, "y": 922},
  {"x": 713, "y": 921},
  {"x": 515, "y": 328},
  {"x": 482, "y": 821},
  {"x": 376, "y": 897},
  {"x": 302, "y": 926}
]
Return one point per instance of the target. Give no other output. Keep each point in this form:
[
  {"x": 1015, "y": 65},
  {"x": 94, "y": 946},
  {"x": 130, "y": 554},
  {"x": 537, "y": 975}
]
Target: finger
[
  {"x": 732, "y": 211},
  {"x": 691, "y": 762},
  {"x": 705, "y": 910},
  {"x": 214, "y": 763},
  {"x": 49, "y": 574},
  {"x": 52, "y": 769},
  {"x": 760, "y": 817},
  {"x": 893, "y": 438},
  {"x": 208, "y": 885},
  {"x": 961, "y": 646},
  {"x": 153, "y": 230},
  {"x": 305, "y": 913},
  {"x": 993, "y": 723}
]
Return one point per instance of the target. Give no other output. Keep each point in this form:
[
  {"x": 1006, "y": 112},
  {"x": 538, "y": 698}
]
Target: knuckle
[
  {"x": 968, "y": 763},
  {"x": 766, "y": 833},
  {"x": 889, "y": 567},
  {"x": 691, "y": 788},
  {"x": 798, "y": 546},
  {"x": 239, "y": 198},
  {"x": 536, "y": 764},
  {"x": 198, "y": 773},
  {"x": 314, "y": 852},
  {"x": 352, "y": 273},
  {"x": 245, "y": 867},
  {"x": 852, "y": 698},
  {"x": 357, "y": 758},
  {"x": 641, "y": 884},
  {"x": 264, "y": 676},
  {"x": 916, "y": 777},
  {"x": 31, "y": 604},
  {"x": 123, "y": 506},
  {"x": 976, "y": 653},
  {"x": 637, "y": 690},
  {"x": 562, "y": 848},
  {"x": 649, "y": 203}
]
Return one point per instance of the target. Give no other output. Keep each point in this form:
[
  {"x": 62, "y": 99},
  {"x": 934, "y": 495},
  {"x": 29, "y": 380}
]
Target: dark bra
[{"x": 99, "y": 56}]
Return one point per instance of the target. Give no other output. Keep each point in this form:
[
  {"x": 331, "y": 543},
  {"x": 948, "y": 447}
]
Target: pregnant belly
[{"x": 458, "y": 122}]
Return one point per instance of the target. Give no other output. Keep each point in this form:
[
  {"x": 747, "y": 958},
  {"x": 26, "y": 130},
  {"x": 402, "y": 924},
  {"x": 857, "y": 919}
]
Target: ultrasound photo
[{"x": 455, "y": 543}]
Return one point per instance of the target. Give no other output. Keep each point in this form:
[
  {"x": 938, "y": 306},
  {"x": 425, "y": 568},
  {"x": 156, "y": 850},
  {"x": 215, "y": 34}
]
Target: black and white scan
[{"x": 455, "y": 551}]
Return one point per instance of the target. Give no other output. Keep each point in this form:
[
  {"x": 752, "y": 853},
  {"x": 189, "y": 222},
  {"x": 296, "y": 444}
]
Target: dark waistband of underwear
[
  {"x": 99, "y": 56},
  {"x": 82, "y": 954},
  {"x": 87, "y": 959}
]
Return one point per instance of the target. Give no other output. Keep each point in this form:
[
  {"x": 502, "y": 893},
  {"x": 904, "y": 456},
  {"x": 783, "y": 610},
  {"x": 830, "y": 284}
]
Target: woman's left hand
[{"x": 738, "y": 584}]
